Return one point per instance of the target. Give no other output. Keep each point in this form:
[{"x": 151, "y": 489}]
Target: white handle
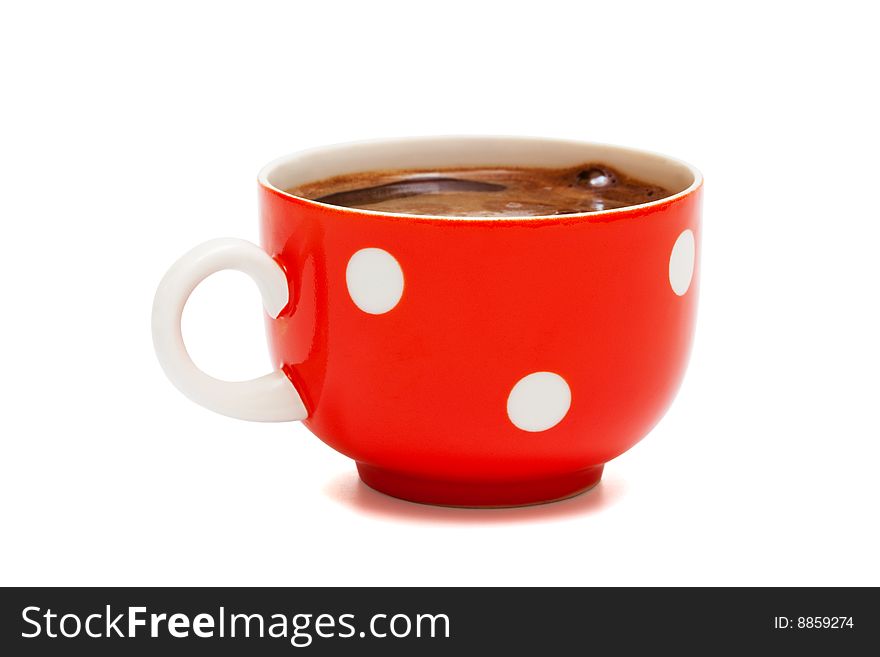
[{"x": 270, "y": 398}]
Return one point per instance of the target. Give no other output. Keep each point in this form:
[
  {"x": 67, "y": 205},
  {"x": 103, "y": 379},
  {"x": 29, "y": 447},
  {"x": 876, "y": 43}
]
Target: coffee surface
[{"x": 485, "y": 191}]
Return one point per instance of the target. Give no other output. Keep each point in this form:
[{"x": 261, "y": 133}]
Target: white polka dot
[
  {"x": 538, "y": 401},
  {"x": 681, "y": 262},
  {"x": 375, "y": 280}
]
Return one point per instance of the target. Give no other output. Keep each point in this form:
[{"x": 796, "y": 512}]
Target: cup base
[{"x": 479, "y": 494}]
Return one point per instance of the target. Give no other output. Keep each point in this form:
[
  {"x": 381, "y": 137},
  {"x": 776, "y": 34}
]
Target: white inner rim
[{"x": 448, "y": 152}]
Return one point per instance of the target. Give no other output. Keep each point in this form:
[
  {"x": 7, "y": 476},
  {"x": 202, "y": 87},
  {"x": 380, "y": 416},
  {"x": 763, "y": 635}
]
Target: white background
[{"x": 131, "y": 134}]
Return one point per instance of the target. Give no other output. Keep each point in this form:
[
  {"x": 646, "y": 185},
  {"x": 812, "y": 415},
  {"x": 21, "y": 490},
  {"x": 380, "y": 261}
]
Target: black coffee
[{"x": 485, "y": 191}]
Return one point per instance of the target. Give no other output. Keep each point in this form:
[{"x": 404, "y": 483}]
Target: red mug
[{"x": 460, "y": 361}]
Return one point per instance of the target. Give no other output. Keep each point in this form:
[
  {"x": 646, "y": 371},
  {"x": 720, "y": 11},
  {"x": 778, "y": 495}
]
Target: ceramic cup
[{"x": 459, "y": 361}]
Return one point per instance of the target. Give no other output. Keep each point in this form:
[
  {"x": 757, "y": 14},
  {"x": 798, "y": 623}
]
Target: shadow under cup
[{"x": 482, "y": 361}]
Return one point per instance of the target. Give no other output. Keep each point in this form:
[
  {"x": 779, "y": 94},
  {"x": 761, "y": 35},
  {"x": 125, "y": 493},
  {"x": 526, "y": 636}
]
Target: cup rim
[{"x": 599, "y": 215}]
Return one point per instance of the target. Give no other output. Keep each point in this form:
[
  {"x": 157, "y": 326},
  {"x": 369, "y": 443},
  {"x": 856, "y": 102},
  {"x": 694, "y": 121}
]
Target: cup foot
[{"x": 476, "y": 493}]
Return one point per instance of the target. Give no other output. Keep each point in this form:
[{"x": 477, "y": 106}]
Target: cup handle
[{"x": 269, "y": 398}]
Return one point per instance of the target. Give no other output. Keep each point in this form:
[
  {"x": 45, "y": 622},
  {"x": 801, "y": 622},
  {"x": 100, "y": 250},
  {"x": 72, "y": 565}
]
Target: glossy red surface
[{"x": 419, "y": 394}]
